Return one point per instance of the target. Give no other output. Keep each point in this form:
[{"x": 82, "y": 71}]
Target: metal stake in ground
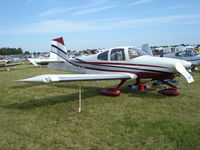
[{"x": 79, "y": 109}]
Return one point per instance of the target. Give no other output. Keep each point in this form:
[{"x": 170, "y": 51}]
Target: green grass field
[{"x": 44, "y": 116}]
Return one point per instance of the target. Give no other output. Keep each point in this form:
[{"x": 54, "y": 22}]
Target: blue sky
[{"x": 31, "y": 24}]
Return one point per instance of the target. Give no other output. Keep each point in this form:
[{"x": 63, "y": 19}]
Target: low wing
[
  {"x": 12, "y": 64},
  {"x": 78, "y": 77}
]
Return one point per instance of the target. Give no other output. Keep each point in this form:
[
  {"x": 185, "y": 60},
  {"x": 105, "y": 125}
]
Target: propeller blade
[{"x": 181, "y": 69}]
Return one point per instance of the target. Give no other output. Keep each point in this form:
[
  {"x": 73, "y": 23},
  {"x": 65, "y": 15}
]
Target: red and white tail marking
[
  {"x": 57, "y": 45},
  {"x": 59, "y": 40}
]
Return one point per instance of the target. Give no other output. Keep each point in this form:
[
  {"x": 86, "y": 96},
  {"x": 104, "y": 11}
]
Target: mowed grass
[{"x": 44, "y": 116}]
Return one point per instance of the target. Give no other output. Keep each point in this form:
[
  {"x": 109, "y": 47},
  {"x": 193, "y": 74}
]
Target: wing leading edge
[{"x": 78, "y": 77}]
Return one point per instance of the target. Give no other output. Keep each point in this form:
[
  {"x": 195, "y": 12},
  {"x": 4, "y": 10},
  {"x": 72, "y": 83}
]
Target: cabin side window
[
  {"x": 117, "y": 55},
  {"x": 133, "y": 53},
  {"x": 186, "y": 53},
  {"x": 103, "y": 56}
]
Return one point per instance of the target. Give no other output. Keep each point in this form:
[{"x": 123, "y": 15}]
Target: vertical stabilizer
[{"x": 57, "y": 46}]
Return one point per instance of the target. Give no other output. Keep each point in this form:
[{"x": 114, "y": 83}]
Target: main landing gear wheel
[{"x": 113, "y": 91}]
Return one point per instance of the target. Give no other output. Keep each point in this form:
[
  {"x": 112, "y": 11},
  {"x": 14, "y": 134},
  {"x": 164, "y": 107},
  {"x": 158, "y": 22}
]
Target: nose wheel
[
  {"x": 171, "y": 90},
  {"x": 165, "y": 87}
]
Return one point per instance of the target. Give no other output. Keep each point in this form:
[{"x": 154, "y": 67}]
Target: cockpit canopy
[
  {"x": 120, "y": 54},
  {"x": 187, "y": 53}
]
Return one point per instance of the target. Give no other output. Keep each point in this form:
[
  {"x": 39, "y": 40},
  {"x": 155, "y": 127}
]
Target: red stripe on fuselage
[
  {"x": 139, "y": 74},
  {"x": 105, "y": 63}
]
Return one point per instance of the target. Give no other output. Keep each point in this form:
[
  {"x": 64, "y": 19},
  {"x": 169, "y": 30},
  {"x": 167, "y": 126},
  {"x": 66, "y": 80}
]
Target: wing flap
[{"x": 78, "y": 77}]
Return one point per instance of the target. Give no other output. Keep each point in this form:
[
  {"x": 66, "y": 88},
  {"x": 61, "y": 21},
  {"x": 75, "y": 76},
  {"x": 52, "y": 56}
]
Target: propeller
[{"x": 181, "y": 69}]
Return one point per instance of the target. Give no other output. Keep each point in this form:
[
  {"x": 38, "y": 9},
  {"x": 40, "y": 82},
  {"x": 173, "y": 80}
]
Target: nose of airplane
[
  {"x": 186, "y": 64},
  {"x": 182, "y": 70},
  {"x": 172, "y": 62},
  {"x": 177, "y": 65}
]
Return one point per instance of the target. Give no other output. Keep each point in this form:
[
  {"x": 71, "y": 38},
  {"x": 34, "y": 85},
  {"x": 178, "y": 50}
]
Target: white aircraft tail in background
[
  {"x": 147, "y": 49},
  {"x": 56, "y": 43}
]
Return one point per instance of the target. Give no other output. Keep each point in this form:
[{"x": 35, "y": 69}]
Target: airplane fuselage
[{"x": 143, "y": 66}]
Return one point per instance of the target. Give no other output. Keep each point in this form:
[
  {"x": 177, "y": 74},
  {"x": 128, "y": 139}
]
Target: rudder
[{"x": 58, "y": 49}]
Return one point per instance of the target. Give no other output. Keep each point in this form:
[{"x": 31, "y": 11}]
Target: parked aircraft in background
[
  {"x": 192, "y": 56},
  {"x": 119, "y": 63},
  {"x": 53, "y": 57},
  {"x": 6, "y": 63}
]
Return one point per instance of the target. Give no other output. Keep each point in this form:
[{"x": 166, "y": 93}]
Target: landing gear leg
[{"x": 139, "y": 85}]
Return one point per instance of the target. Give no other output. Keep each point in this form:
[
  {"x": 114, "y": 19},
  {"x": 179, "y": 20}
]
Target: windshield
[
  {"x": 188, "y": 53},
  {"x": 103, "y": 56}
]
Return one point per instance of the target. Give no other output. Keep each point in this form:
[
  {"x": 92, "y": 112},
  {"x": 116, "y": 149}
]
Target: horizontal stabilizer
[
  {"x": 78, "y": 77},
  {"x": 37, "y": 62}
]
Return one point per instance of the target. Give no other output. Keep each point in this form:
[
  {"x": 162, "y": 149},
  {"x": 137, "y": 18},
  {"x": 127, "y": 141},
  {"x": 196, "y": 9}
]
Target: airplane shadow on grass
[
  {"x": 68, "y": 85},
  {"x": 26, "y": 85},
  {"x": 87, "y": 91},
  {"x": 48, "y": 101},
  {"x": 35, "y": 103}
]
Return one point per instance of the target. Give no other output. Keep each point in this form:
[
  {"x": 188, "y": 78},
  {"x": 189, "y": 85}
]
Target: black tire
[{"x": 192, "y": 67}]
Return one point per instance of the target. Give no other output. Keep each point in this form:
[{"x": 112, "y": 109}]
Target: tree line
[{"x": 12, "y": 51}]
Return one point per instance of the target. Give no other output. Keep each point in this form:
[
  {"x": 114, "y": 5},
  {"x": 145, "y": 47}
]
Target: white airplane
[
  {"x": 53, "y": 57},
  {"x": 120, "y": 63},
  {"x": 192, "y": 56}
]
